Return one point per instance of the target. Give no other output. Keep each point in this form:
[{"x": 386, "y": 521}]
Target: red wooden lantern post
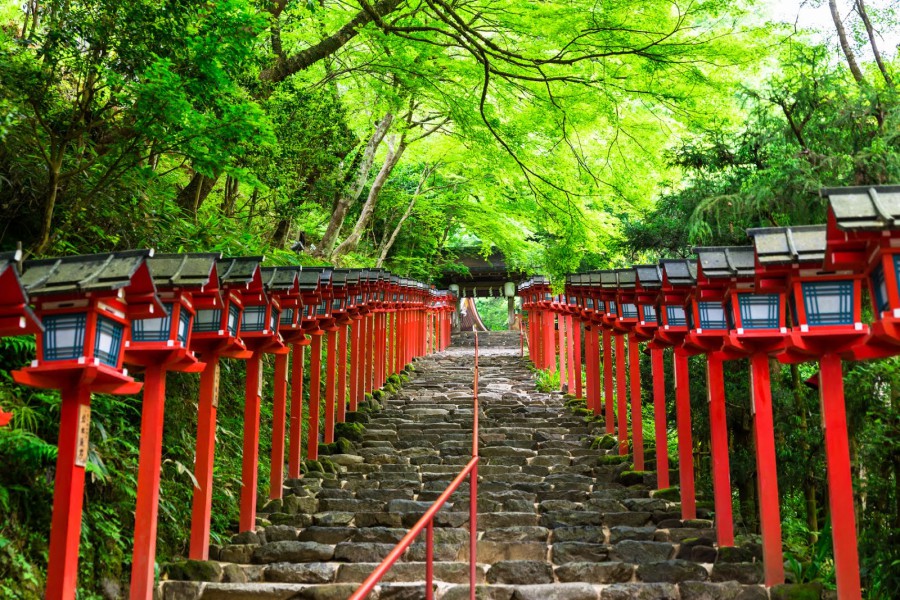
[
  {"x": 215, "y": 334},
  {"x": 161, "y": 344},
  {"x": 609, "y": 284},
  {"x": 310, "y": 296},
  {"x": 862, "y": 237},
  {"x": 593, "y": 311},
  {"x": 548, "y": 341},
  {"x": 576, "y": 290},
  {"x": 648, "y": 281},
  {"x": 407, "y": 304},
  {"x": 559, "y": 332},
  {"x": 357, "y": 316},
  {"x": 345, "y": 320},
  {"x": 369, "y": 332},
  {"x": 343, "y": 280},
  {"x": 16, "y": 317},
  {"x": 677, "y": 280},
  {"x": 716, "y": 269},
  {"x": 447, "y": 309},
  {"x": 826, "y": 310},
  {"x": 283, "y": 283},
  {"x": 529, "y": 318},
  {"x": 392, "y": 294},
  {"x": 259, "y": 331},
  {"x": 431, "y": 321},
  {"x": 568, "y": 311},
  {"x": 319, "y": 316},
  {"x": 86, "y": 304},
  {"x": 381, "y": 301},
  {"x": 628, "y": 318},
  {"x": 543, "y": 336},
  {"x": 757, "y": 329},
  {"x": 576, "y": 320}
]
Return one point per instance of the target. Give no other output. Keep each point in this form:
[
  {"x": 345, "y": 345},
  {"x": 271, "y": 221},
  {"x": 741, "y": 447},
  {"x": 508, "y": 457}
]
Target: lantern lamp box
[
  {"x": 609, "y": 285},
  {"x": 393, "y": 289},
  {"x": 322, "y": 309},
  {"x": 648, "y": 282},
  {"x": 593, "y": 301},
  {"x": 679, "y": 276},
  {"x": 717, "y": 268},
  {"x": 86, "y": 304},
  {"x": 16, "y": 316},
  {"x": 863, "y": 237},
  {"x": 754, "y": 303},
  {"x": 283, "y": 283},
  {"x": 166, "y": 339},
  {"x": 218, "y": 310},
  {"x": 259, "y": 314},
  {"x": 825, "y": 306},
  {"x": 627, "y": 314},
  {"x": 353, "y": 290},
  {"x": 339, "y": 300}
]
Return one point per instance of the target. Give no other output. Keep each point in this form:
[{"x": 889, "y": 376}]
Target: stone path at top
[{"x": 557, "y": 519}]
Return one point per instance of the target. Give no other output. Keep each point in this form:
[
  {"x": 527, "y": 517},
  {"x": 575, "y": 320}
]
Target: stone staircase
[{"x": 557, "y": 519}]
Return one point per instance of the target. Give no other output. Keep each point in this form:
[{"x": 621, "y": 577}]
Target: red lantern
[
  {"x": 315, "y": 283},
  {"x": 16, "y": 317},
  {"x": 161, "y": 344},
  {"x": 827, "y": 324},
  {"x": 86, "y": 304},
  {"x": 283, "y": 285},
  {"x": 217, "y": 333},
  {"x": 678, "y": 277},
  {"x": 755, "y": 315},
  {"x": 863, "y": 238}
]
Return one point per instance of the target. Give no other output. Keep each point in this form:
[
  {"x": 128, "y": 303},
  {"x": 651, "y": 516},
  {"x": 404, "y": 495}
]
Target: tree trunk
[
  {"x": 230, "y": 196},
  {"x": 386, "y": 247},
  {"x": 352, "y": 241},
  {"x": 864, "y": 15},
  {"x": 191, "y": 197},
  {"x": 352, "y": 194},
  {"x": 49, "y": 206},
  {"x": 281, "y": 233},
  {"x": 845, "y": 44},
  {"x": 283, "y": 68}
]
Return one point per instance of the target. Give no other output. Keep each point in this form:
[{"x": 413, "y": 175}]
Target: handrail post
[
  {"x": 426, "y": 522},
  {"x": 473, "y": 486},
  {"x": 429, "y": 561}
]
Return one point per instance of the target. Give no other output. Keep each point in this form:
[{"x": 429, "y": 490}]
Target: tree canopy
[{"x": 568, "y": 134}]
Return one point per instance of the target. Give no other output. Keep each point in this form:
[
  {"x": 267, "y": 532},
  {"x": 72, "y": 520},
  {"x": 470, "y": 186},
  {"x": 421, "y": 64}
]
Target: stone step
[{"x": 556, "y": 519}]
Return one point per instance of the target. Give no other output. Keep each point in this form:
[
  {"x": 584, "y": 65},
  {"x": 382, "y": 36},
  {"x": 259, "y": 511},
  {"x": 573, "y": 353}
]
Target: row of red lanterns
[
  {"x": 795, "y": 294},
  {"x": 95, "y": 314}
]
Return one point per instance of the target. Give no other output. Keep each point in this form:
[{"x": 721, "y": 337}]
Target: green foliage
[
  {"x": 547, "y": 380},
  {"x": 493, "y": 312}
]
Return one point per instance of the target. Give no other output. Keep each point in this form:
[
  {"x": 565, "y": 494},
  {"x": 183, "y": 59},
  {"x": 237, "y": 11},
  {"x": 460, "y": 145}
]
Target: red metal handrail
[{"x": 426, "y": 522}]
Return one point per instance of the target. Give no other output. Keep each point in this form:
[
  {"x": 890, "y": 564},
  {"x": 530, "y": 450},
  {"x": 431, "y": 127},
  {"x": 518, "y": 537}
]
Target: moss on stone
[
  {"x": 313, "y": 466},
  {"x": 604, "y": 442},
  {"x": 351, "y": 430},
  {"x": 194, "y": 570},
  {"x": 357, "y": 417},
  {"x": 672, "y": 494},
  {"x": 796, "y": 591}
]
